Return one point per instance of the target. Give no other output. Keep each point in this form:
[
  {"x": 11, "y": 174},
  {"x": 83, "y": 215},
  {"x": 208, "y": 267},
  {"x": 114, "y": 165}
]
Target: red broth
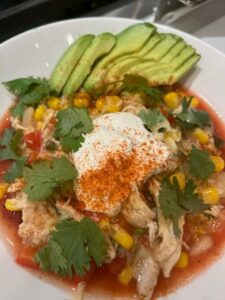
[{"x": 105, "y": 279}]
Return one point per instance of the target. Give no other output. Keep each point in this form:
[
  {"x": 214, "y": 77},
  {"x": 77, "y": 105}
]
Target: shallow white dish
[{"x": 35, "y": 53}]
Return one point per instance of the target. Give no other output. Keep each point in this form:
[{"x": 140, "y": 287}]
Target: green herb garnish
[
  {"x": 44, "y": 177},
  {"x": 30, "y": 92},
  {"x": 72, "y": 247},
  {"x": 72, "y": 124},
  {"x": 190, "y": 118},
  {"x": 175, "y": 203},
  {"x": 10, "y": 150},
  {"x": 200, "y": 164}
]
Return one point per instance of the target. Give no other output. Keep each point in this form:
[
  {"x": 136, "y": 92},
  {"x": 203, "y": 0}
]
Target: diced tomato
[
  {"x": 33, "y": 140},
  {"x": 86, "y": 277},
  {"x": 26, "y": 257},
  {"x": 116, "y": 265},
  {"x": 94, "y": 215}
]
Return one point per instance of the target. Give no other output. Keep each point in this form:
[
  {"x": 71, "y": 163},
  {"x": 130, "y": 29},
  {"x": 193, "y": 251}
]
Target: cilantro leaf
[
  {"x": 10, "y": 143},
  {"x": 151, "y": 117},
  {"x": 72, "y": 123},
  {"x": 71, "y": 247},
  {"x": 190, "y": 118},
  {"x": 175, "y": 203},
  {"x": 135, "y": 83},
  {"x": 168, "y": 200},
  {"x": 15, "y": 170},
  {"x": 30, "y": 91},
  {"x": 190, "y": 199},
  {"x": 200, "y": 164},
  {"x": 44, "y": 177},
  {"x": 51, "y": 258}
]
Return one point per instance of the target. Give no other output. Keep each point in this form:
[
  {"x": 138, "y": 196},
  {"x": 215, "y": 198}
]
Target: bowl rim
[{"x": 120, "y": 19}]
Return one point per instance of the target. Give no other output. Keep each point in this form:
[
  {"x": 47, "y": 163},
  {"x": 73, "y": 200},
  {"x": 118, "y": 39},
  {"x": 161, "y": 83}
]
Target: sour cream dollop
[{"x": 117, "y": 155}]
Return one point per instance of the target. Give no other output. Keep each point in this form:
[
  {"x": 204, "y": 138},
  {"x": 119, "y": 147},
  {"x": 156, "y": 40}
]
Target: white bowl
[{"x": 35, "y": 53}]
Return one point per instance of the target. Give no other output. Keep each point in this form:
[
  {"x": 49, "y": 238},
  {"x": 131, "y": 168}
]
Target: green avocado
[
  {"x": 128, "y": 41},
  {"x": 160, "y": 46},
  {"x": 127, "y": 61},
  {"x": 100, "y": 46},
  {"x": 67, "y": 62}
]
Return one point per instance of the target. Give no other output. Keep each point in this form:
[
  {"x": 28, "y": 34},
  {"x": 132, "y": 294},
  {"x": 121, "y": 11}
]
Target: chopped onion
[{"x": 203, "y": 244}]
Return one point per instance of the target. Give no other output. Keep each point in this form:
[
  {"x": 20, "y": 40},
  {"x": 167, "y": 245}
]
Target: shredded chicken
[
  {"x": 39, "y": 219},
  {"x": 136, "y": 211},
  {"x": 67, "y": 211},
  {"x": 146, "y": 271},
  {"x": 167, "y": 247}
]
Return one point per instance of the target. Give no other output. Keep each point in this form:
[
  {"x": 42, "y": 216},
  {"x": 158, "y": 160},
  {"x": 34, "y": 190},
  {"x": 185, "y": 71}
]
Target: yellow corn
[
  {"x": 122, "y": 237},
  {"x": 104, "y": 224},
  {"x": 40, "y": 112},
  {"x": 81, "y": 100},
  {"x": 172, "y": 100},
  {"x": 125, "y": 275},
  {"x": 39, "y": 125},
  {"x": 180, "y": 178},
  {"x": 218, "y": 163},
  {"x": 109, "y": 104},
  {"x": 183, "y": 261},
  {"x": 194, "y": 102},
  {"x": 210, "y": 195},
  {"x": 100, "y": 103},
  {"x": 3, "y": 189},
  {"x": 200, "y": 135},
  {"x": 10, "y": 205},
  {"x": 54, "y": 103}
]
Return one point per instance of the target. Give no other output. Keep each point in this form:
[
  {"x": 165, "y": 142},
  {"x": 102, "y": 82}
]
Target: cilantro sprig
[
  {"x": 175, "y": 203},
  {"x": 200, "y": 164},
  {"x": 72, "y": 124},
  {"x": 190, "y": 118},
  {"x": 10, "y": 150},
  {"x": 71, "y": 248},
  {"x": 30, "y": 91},
  {"x": 43, "y": 178},
  {"x": 151, "y": 117}
]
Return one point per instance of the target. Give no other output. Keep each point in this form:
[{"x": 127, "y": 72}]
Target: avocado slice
[
  {"x": 129, "y": 41},
  {"x": 127, "y": 61},
  {"x": 67, "y": 62},
  {"x": 154, "y": 56},
  {"x": 179, "y": 73},
  {"x": 100, "y": 46}
]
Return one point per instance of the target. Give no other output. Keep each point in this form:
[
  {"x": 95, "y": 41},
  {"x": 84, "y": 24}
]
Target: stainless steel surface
[{"x": 191, "y": 2}]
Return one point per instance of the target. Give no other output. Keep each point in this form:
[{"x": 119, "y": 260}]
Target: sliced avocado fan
[
  {"x": 167, "y": 61},
  {"x": 67, "y": 62},
  {"x": 128, "y": 41},
  {"x": 100, "y": 46}
]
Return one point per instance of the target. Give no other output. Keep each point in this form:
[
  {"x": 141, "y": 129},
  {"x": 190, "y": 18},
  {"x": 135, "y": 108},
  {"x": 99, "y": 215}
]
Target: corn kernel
[
  {"x": 10, "y": 205},
  {"x": 109, "y": 104},
  {"x": 40, "y": 112},
  {"x": 194, "y": 102},
  {"x": 40, "y": 125},
  {"x": 3, "y": 189},
  {"x": 180, "y": 178},
  {"x": 210, "y": 195},
  {"x": 122, "y": 237},
  {"x": 200, "y": 135},
  {"x": 54, "y": 103},
  {"x": 104, "y": 224},
  {"x": 81, "y": 100},
  {"x": 100, "y": 103},
  {"x": 125, "y": 275},
  {"x": 172, "y": 100},
  {"x": 218, "y": 163},
  {"x": 183, "y": 261}
]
